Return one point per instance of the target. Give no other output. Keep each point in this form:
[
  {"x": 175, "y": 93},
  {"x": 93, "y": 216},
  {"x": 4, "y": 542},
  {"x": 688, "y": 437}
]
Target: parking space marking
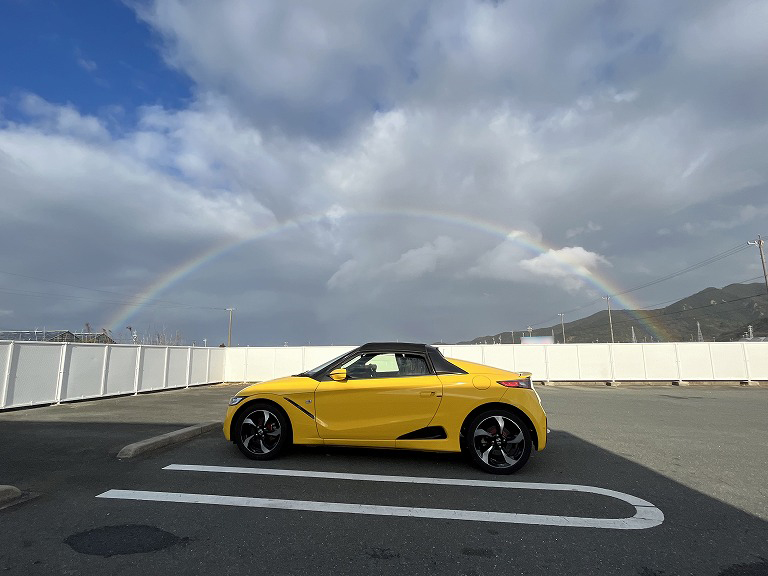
[
  {"x": 635, "y": 523},
  {"x": 628, "y": 498},
  {"x": 646, "y": 514}
]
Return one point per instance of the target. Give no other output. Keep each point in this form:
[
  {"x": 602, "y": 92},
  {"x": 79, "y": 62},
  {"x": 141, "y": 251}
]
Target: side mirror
[{"x": 340, "y": 374}]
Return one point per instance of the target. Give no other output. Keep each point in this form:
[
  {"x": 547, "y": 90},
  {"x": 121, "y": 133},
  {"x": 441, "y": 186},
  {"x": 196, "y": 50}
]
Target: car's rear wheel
[
  {"x": 263, "y": 431},
  {"x": 498, "y": 441}
]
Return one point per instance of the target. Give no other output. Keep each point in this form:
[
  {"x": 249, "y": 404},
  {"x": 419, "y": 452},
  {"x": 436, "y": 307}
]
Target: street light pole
[
  {"x": 530, "y": 331},
  {"x": 229, "y": 334},
  {"x": 759, "y": 243},
  {"x": 562, "y": 324},
  {"x": 610, "y": 321}
]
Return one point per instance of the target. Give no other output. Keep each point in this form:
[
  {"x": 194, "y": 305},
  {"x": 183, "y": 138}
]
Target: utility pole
[
  {"x": 610, "y": 321},
  {"x": 530, "y": 331},
  {"x": 562, "y": 324},
  {"x": 634, "y": 338},
  {"x": 759, "y": 243},
  {"x": 229, "y": 334}
]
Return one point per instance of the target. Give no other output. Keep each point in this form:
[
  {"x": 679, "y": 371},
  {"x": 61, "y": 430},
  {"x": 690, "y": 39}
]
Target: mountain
[{"x": 723, "y": 314}]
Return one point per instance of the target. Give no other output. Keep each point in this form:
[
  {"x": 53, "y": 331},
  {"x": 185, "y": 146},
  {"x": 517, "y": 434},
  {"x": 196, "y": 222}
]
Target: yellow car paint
[{"x": 375, "y": 412}]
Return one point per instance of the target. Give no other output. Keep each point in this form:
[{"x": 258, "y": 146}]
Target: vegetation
[{"x": 723, "y": 314}]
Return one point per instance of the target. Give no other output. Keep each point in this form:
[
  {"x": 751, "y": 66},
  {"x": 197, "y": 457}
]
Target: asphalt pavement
[{"x": 696, "y": 454}]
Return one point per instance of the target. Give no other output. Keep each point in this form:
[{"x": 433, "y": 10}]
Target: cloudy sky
[{"x": 341, "y": 172}]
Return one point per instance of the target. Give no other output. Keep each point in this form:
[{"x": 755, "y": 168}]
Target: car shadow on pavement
[{"x": 72, "y": 463}]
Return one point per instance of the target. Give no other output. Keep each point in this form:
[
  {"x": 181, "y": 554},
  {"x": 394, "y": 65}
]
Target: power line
[{"x": 725, "y": 254}]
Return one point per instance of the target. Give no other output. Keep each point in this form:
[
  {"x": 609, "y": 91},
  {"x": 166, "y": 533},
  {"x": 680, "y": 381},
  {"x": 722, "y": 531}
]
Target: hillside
[{"x": 723, "y": 313}]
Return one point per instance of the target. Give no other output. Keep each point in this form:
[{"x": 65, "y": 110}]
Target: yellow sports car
[{"x": 394, "y": 395}]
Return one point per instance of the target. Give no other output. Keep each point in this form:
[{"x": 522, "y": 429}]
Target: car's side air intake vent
[{"x": 428, "y": 433}]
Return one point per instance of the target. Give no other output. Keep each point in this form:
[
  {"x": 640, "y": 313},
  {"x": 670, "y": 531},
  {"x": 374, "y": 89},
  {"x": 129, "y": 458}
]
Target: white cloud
[
  {"x": 566, "y": 267},
  {"x": 590, "y": 227},
  {"x": 411, "y": 265},
  {"x": 394, "y": 144}
]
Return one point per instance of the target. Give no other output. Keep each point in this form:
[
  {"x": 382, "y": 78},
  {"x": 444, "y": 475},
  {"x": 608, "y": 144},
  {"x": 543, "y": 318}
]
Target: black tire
[
  {"x": 498, "y": 441},
  {"x": 263, "y": 431}
]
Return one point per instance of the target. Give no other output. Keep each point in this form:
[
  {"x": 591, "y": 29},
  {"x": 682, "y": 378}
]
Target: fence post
[
  {"x": 189, "y": 365},
  {"x": 63, "y": 373},
  {"x": 748, "y": 381},
  {"x": 104, "y": 370},
  {"x": 137, "y": 374},
  {"x": 680, "y": 381},
  {"x": 165, "y": 366},
  {"x": 613, "y": 364},
  {"x": 6, "y": 378}
]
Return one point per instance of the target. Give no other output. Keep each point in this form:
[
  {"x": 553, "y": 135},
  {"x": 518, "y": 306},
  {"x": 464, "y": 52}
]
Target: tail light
[{"x": 521, "y": 383}]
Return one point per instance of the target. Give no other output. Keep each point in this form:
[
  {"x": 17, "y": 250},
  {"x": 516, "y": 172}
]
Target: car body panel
[
  {"x": 376, "y": 409},
  {"x": 376, "y": 412}
]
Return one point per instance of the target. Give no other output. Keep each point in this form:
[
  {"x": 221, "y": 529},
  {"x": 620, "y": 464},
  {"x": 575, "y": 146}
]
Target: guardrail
[{"x": 33, "y": 373}]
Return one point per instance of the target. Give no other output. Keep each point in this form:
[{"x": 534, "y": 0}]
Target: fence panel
[
  {"x": 695, "y": 361},
  {"x": 199, "y": 370},
  {"x": 531, "y": 359},
  {"x": 86, "y": 363},
  {"x": 216, "y": 370},
  {"x": 122, "y": 370},
  {"x": 314, "y": 356},
  {"x": 288, "y": 361},
  {"x": 500, "y": 356},
  {"x": 594, "y": 363},
  {"x": 5, "y": 369},
  {"x": 563, "y": 361},
  {"x": 728, "y": 361},
  {"x": 469, "y": 353},
  {"x": 34, "y": 374},
  {"x": 235, "y": 364},
  {"x": 629, "y": 363},
  {"x": 152, "y": 375},
  {"x": 757, "y": 358},
  {"x": 177, "y": 367},
  {"x": 660, "y": 361}
]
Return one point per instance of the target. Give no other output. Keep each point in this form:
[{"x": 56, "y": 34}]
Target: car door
[{"x": 385, "y": 395}]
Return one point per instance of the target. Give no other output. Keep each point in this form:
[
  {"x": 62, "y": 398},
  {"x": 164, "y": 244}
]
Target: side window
[
  {"x": 412, "y": 365},
  {"x": 386, "y": 365}
]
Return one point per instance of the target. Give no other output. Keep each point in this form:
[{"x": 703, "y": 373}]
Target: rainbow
[{"x": 536, "y": 247}]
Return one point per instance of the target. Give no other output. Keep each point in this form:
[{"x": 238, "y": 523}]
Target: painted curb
[
  {"x": 8, "y": 494},
  {"x": 169, "y": 439}
]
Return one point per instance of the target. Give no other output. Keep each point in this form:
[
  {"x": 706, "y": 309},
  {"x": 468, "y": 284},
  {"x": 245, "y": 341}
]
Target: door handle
[{"x": 426, "y": 394}]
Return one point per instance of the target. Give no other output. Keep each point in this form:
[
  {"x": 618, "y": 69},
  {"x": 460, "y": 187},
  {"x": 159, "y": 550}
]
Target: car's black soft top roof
[{"x": 399, "y": 346}]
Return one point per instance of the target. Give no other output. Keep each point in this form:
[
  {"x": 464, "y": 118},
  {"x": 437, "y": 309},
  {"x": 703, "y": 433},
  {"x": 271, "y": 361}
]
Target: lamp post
[
  {"x": 562, "y": 324},
  {"x": 608, "y": 301},
  {"x": 759, "y": 243},
  {"x": 530, "y": 331},
  {"x": 229, "y": 333}
]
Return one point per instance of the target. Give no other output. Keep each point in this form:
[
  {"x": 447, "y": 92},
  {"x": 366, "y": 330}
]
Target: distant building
[{"x": 55, "y": 336}]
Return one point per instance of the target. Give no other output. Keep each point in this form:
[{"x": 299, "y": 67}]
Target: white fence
[
  {"x": 34, "y": 373},
  {"x": 673, "y": 362}
]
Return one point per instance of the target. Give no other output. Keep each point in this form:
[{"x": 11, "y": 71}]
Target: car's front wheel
[
  {"x": 498, "y": 441},
  {"x": 263, "y": 431}
]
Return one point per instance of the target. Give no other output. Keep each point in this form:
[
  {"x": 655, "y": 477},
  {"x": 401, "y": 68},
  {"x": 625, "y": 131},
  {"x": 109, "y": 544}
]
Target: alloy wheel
[
  {"x": 499, "y": 442},
  {"x": 260, "y": 432}
]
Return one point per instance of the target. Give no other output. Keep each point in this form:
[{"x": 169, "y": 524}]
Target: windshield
[{"x": 314, "y": 371}]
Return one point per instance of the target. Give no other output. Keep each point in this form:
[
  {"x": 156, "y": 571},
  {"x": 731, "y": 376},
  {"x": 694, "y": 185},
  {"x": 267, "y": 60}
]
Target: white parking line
[{"x": 646, "y": 514}]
